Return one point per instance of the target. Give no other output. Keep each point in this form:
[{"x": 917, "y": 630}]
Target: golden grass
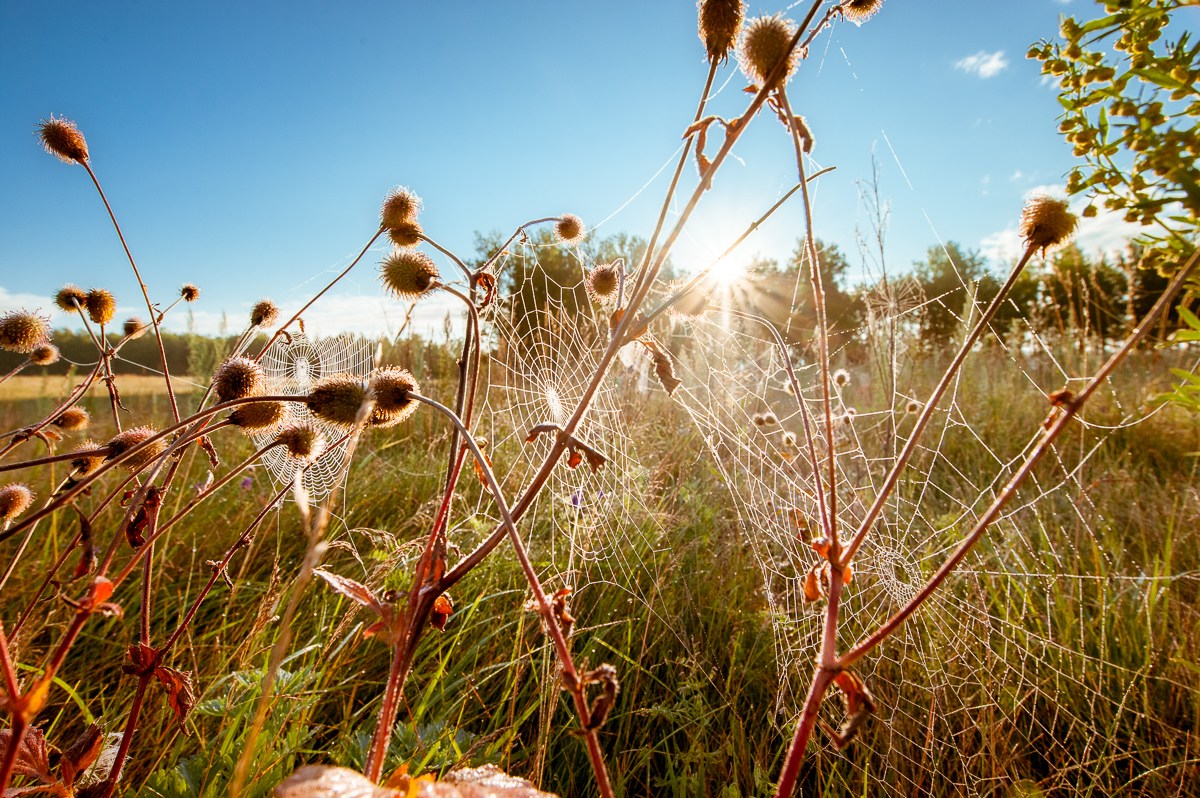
[{"x": 57, "y": 385}]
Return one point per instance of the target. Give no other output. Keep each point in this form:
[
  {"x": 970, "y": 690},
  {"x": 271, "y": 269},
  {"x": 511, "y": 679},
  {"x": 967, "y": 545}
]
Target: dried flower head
[
  {"x": 720, "y": 21},
  {"x": 764, "y": 44},
  {"x": 131, "y": 438},
  {"x": 848, "y": 417},
  {"x": 769, "y": 419},
  {"x": 400, "y": 206},
  {"x": 86, "y": 466},
  {"x": 73, "y": 419},
  {"x": 569, "y": 229},
  {"x": 44, "y": 355},
  {"x": 393, "y": 401},
  {"x": 189, "y": 292},
  {"x": 841, "y": 377},
  {"x": 71, "y": 298},
  {"x": 789, "y": 440},
  {"x": 303, "y": 442},
  {"x": 135, "y": 327},
  {"x": 62, "y": 139},
  {"x": 1046, "y": 222},
  {"x": 604, "y": 280},
  {"x": 22, "y": 331},
  {"x": 409, "y": 274},
  {"x": 101, "y": 305},
  {"x": 15, "y": 499},
  {"x": 237, "y": 378},
  {"x": 912, "y": 407},
  {"x": 405, "y": 234},
  {"x": 690, "y": 306},
  {"x": 336, "y": 399},
  {"x": 259, "y": 417},
  {"x": 264, "y": 313},
  {"x": 859, "y": 11}
]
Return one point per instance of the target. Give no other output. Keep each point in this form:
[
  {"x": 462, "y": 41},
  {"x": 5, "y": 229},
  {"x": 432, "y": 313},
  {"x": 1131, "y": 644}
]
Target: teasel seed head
[
  {"x": 603, "y": 280},
  {"x": 73, "y": 419},
  {"x": 764, "y": 44},
  {"x": 409, "y": 274},
  {"x": 913, "y": 407},
  {"x": 393, "y": 402},
  {"x": 720, "y": 22},
  {"x": 400, "y": 206},
  {"x": 859, "y": 11},
  {"x": 101, "y": 305},
  {"x": 767, "y": 419},
  {"x": 405, "y": 234},
  {"x": 841, "y": 378},
  {"x": 1046, "y": 223},
  {"x": 62, "y": 139},
  {"x": 189, "y": 292},
  {"x": 569, "y": 229},
  {"x": 259, "y": 417},
  {"x": 789, "y": 440},
  {"x": 86, "y": 466},
  {"x": 336, "y": 399},
  {"x": 15, "y": 499},
  {"x": 690, "y": 306},
  {"x": 264, "y": 313},
  {"x": 303, "y": 442},
  {"x": 22, "y": 331},
  {"x": 122, "y": 443},
  {"x": 71, "y": 298},
  {"x": 135, "y": 327},
  {"x": 44, "y": 355},
  {"x": 237, "y": 378}
]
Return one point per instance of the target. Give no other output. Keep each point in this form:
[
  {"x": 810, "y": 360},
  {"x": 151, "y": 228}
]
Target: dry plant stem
[
  {"x": 58, "y": 458},
  {"x": 467, "y": 272},
  {"x": 893, "y": 477},
  {"x": 513, "y": 238},
  {"x": 72, "y": 397},
  {"x": 14, "y": 371},
  {"x": 162, "y": 352},
  {"x": 320, "y": 294},
  {"x": 17, "y": 734}
]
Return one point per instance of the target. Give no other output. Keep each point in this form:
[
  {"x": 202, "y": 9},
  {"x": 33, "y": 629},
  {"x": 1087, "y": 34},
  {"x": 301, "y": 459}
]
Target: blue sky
[{"x": 246, "y": 146}]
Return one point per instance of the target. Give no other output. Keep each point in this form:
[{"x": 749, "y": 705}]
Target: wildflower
[
  {"x": 264, "y": 313},
  {"x": 1046, "y": 222},
  {"x": 859, "y": 11},
  {"x": 62, "y": 139},
  {"x": 21, "y": 331},
  {"x": 135, "y": 327},
  {"x": 44, "y": 355},
  {"x": 409, "y": 274},
  {"x": 73, "y": 419},
  {"x": 247, "y": 483},
  {"x": 101, "y": 305},
  {"x": 336, "y": 399},
  {"x": 764, "y": 44},
  {"x": 189, "y": 292},
  {"x": 400, "y": 206},
  {"x": 259, "y": 417},
  {"x": 237, "y": 378},
  {"x": 604, "y": 280},
  {"x": 71, "y": 298},
  {"x": 569, "y": 229},
  {"x": 15, "y": 499},
  {"x": 405, "y": 234},
  {"x": 303, "y": 442},
  {"x": 393, "y": 403},
  {"x": 841, "y": 378},
  {"x": 720, "y": 21},
  {"x": 134, "y": 437}
]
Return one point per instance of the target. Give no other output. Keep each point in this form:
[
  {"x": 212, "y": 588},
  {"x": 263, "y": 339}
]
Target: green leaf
[
  {"x": 1186, "y": 375},
  {"x": 1068, "y": 104},
  {"x": 1102, "y": 125},
  {"x": 1097, "y": 24},
  {"x": 1189, "y": 317}
]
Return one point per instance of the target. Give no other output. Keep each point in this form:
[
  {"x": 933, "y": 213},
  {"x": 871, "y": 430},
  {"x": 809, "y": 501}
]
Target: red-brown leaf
[
  {"x": 355, "y": 591},
  {"x": 81, "y": 753},
  {"x": 181, "y": 696}
]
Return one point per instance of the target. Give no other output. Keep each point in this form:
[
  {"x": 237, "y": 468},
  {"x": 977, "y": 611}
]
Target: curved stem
[{"x": 467, "y": 272}]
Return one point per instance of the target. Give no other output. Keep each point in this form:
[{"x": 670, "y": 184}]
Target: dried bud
[
  {"x": 400, "y": 206},
  {"x": 86, "y": 466},
  {"x": 101, "y": 305},
  {"x": 130, "y": 438},
  {"x": 73, "y": 419},
  {"x": 62, "y": 139},
  {"x": 767, "y": 419},
  {"x": 303, "y": 442},
  {"x": 14, "y": 500},
  {"x": 841, "y": 377},
  {"x": 264, "y": 313},
  {"x": 1046, "y": 222},
  {"x": 859, "y": 11},
  {"x": 189, "y": 292},
  {"x": 44, "y": 355},
  {"x": 604, "y": 280},
  {"x": 408, "y": 274},
  {"x": 71, "y": 298},
  {"x": 393, "y": 403},
  {"x": 336, "y": 399},
  {"x": 912, "y": 407},
  {"x": 720, "y": 21},
  {"x": 405, "y": 234},
  {"x": 21, "y": 331},
  {"x": 764, "y": 44},
  {"x": 789, "y": 440},
  {"x": 259, "y": 417},
  {"x": 237, "y": 378},
  {"x": 135, "y": 327},
  {"x": 569, "y": 229}
]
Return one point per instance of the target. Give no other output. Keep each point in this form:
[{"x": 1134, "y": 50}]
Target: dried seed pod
[
  {"x": 720, "y": 21},
  {"x": 86, "y": 466},
  {"x": 393, "y": 401},
  {"x": 135, "y": 327},
  {"x": 569, "y": 229},
  {"x": 101, "y": 305},
  {"x": 405, "y": 234},
  {"x": 1046, "y": 222},
  {"x": 189, "y": 292},
  {"x": 604, "y": 280},
  {"x": 912, "y": 407},
  {"x": 264, "y": 313},
  {"x": 789, "y": 440},
  {"x": 22, "y": 331},
  {"x": 73, "y": 419},
  {"x": 303, "y": 442},
  {"x": 71, "y": 298},
  {"x": 400, "y": 206},
  {"x": 122, "y": 443},
  {"x": 259, "y": 417},
  {"x": 237, "y": 378},
  {"x": 409, "y": 274},
  {"x": 15, "y": 499},
  {"x": 336, "y": 399},
  {"x": 859, "y": 11},
  {"x": 764, "y": 44},
  {"x": 44, "y": 355},
  {"x": 62, "y": 139},
  {"x": 841, "y": 378}
]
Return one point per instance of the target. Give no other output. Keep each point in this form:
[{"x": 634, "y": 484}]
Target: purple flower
[{"x": 246, "y": 483}]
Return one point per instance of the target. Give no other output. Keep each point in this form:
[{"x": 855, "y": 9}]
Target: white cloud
[{"x": 983, "y": 64}]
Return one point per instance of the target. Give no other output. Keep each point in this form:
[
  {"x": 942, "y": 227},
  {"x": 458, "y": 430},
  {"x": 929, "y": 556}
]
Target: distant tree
[
  {"x": 1087, "y": 297},
  {"x": 784, "y": 296}
]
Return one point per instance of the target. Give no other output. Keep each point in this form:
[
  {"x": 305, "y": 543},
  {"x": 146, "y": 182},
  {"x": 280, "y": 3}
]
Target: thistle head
[
  {"x": 393, "y": 401},
  {"x": 189, "y": 292},
  {"x": 1046, "y": 223},
  {"x": 15, "y": 499},
  {"x": 603, "y": 280},
  {"x": 720, "y": 21},
  {"x": 86, "y": 466},
  {"x": 237, "y": 378},
  {"x": 71, "y": 298},
  {"x": 303, "y": 442},
  {"x": 400, "y": 206},
  {"x": 73, "y": 419},
  {"x": 405, "y": 234},
  {"x": 130, "y": 438},
  {"x": 859, "y": 11},
  {"x": 569, "y": 229},
  {"x": 408, "y": 274},
  {"x": 44, "y": 355},
  {"x": 62, "y": 139},
  {"x": 22, "y": 331},
  {"x": 764, "y": 44},
  {"x": 101, "y": 305},
  {"x": 264, "y": 313},
  {"x": 336, "y": 399},
  {"x": 134, "y": 327},
  {"x": 259, "y": 417}
]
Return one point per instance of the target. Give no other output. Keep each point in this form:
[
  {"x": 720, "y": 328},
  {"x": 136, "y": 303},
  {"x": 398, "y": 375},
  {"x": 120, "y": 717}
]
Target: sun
[{"x": 725, "y": 273}]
